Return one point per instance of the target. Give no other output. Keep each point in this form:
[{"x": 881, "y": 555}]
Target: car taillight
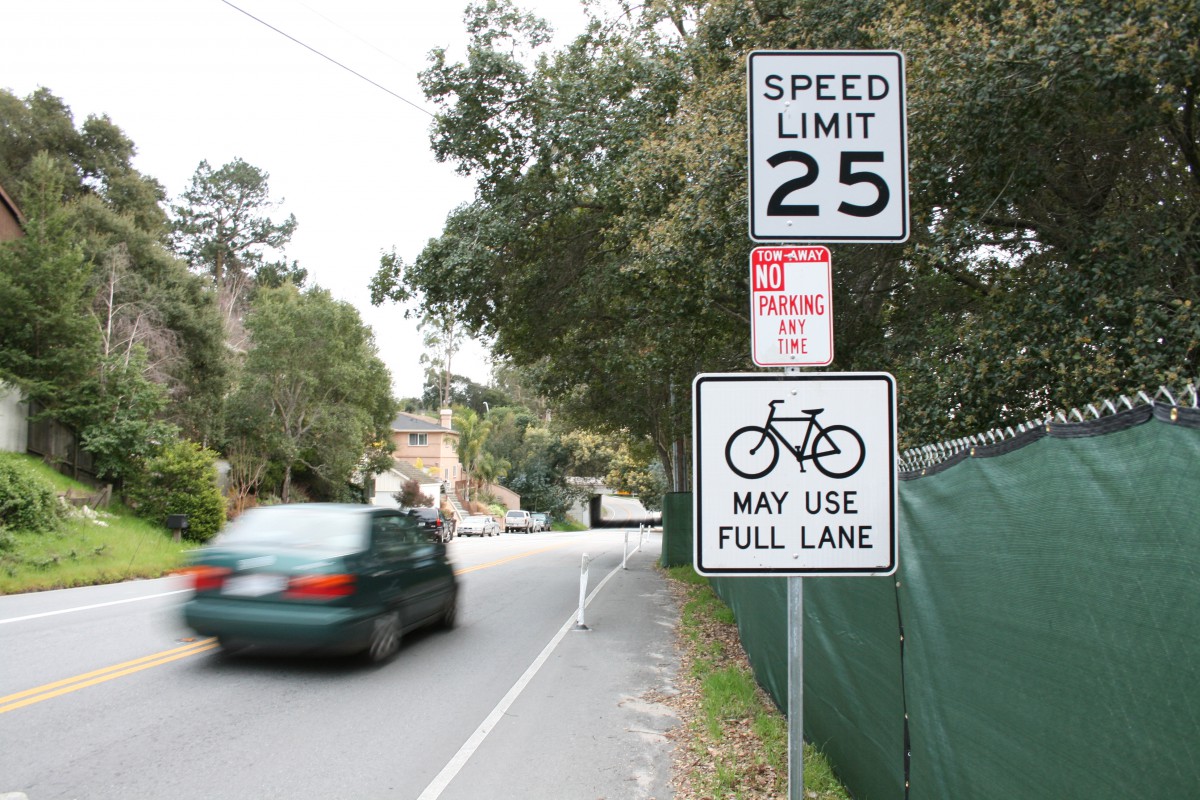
[
  {"x": 208, "y": 579},
  {"x": 320, "y": 587}
]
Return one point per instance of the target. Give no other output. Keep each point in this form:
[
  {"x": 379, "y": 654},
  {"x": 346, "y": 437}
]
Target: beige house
[{"x": 428, "y": 444}]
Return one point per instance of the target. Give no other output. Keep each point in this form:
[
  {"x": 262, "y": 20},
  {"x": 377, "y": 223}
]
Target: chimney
[{"x": 447, "y": 414}]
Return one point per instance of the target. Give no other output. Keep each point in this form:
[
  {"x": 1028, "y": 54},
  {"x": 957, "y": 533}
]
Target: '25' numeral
[{"x": 848, "y": 176}]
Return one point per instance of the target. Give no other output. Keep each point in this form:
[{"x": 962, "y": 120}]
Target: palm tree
[
  {"x": 490, "y": 468},
  {"x": 472, "y": 433}
]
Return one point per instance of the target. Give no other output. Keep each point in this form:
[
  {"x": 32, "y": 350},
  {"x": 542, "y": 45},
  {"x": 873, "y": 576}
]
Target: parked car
[
  {"x": 541, "y": 520},
  {"x": 320, "y": 576},
  {"x": 517, "y": 520},
  {"x": 478, "y": 525},
  {"x": 440, "y": 525}
]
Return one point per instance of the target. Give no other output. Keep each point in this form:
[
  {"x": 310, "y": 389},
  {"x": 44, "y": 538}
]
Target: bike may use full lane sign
[{"x": 795, "y": 474}]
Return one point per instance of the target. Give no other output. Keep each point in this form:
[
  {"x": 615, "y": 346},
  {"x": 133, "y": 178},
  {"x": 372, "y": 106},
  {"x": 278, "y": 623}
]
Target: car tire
[
  {"x": 450, "y": 615},
  {"x": 230, "y": 648},
  {"x": 385, "y": 637}
]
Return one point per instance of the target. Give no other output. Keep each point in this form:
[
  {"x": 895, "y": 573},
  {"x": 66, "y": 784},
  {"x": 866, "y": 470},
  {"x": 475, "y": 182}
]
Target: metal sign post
[
  {"x": 795, "y": 477},
  {"x": 795, "y": 594},
  {"x": 795, "y": 642},
  {"x": 828, "y": 162}
]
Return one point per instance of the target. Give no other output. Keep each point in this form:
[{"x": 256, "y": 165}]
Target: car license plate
[{"x": 254, "y": 585}]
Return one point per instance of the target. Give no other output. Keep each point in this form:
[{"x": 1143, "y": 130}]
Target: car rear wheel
[
  {"x": 230, "y": 647},
  {"x": 450, "y": 615},
  {"x": 385, "y": 637}
]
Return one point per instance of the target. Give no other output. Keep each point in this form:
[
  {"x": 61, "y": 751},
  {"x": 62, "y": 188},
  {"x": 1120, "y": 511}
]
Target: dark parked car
[
  {"x": 317, "y": 576},
  {"x": 439, "y": 524},
  {"x": 541, "y": 520}
]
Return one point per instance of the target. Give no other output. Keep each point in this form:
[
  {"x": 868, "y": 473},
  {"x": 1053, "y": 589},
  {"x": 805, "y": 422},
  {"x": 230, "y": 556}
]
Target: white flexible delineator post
[{"x": 583, "y": 580}]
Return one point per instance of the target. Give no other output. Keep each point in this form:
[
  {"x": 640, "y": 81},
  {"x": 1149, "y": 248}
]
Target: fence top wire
[{"x": 919, "y": 460}]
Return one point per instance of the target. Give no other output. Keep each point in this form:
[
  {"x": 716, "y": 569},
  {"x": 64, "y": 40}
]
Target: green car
[{"x": 321, "y": 576}]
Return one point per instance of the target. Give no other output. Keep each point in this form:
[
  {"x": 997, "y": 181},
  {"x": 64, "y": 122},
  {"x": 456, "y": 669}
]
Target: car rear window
[{"x": 316, "y": 529}]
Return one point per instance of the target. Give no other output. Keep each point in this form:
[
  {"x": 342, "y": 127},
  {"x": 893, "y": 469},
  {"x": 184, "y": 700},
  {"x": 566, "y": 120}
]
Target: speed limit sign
[{"x": 828, "y": 146}]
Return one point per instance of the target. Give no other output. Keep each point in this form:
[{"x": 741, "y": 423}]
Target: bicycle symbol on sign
[{"x": 837, "y": 450}]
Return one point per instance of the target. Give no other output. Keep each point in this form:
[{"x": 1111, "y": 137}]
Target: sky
[{"x": 193, "y": 80}]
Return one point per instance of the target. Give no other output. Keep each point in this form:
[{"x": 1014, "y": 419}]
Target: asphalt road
[{"x": 104, "y": 694}]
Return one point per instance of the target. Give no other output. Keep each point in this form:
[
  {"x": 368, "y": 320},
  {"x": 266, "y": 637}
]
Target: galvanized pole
[{"x": 795, "y": 593}]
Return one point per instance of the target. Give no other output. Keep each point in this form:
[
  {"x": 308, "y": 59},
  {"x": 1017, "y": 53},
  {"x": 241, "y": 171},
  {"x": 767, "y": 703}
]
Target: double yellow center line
[{"x": 39, "y": 693}]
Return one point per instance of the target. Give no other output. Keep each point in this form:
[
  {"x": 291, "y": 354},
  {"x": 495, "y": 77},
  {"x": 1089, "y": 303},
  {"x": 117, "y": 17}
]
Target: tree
[
  {"x": 472, "y": 435},
  {"x": 410, "y": 496},
  {"x": 443, "y": 336},
  {"x": 180, "y": 477},
  {"x": 550, "y": 187},
  {"x": 315, "y": 393},
  {"x": 224, "y": 231},
  {"x": 94, "y": 160},
  {"x": 539, "y": 472},
  {"x": 144, "y": 297},
  {"x": 1053, "y": 260},
  {"x": 48, "y": 339},
  {"x": 490, "y": 468}
]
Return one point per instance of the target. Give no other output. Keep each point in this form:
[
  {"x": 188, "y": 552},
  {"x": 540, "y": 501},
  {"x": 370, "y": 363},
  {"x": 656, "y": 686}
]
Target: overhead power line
[{"x": 327, "y": 58}]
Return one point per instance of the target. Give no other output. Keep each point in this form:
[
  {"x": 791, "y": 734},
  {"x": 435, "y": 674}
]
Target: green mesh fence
[
  {"x": 1048, "y": 597},
  {"x": 677, "y": 529}
]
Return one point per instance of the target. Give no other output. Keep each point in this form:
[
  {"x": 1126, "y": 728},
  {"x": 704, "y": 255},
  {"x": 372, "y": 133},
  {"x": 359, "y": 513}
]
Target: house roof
[
  {"x": 409, "y": 472},
  {"x": 9, "y": 208},
  {"x": 405, "y": 423}
]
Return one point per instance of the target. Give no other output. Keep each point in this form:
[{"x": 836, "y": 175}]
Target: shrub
[
  {"x": 411, "y": 496},
  {"x": 181, "y": 478},
  {"x": 27, "y": 500}
]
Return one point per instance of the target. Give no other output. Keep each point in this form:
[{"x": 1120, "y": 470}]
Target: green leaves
[
  {"x": 313, "y": 392},
  {"x": 223, "y": 230},
  {"x": 1054, "y": 160}
]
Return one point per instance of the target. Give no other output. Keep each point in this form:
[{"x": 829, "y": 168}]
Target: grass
[
  {"x": 736, "y": 744},
  {"x": 113, "y": 545}
]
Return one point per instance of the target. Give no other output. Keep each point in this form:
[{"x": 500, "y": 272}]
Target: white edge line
[
  {"x": 89, "y": 608},
  {"x": 438, "y": 784}
]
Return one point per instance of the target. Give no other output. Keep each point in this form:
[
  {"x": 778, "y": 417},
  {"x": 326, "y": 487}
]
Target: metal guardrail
[{"x": 925, "y": 457}]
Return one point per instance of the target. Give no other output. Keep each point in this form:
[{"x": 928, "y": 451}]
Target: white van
[{"x": 517, "y": 520}]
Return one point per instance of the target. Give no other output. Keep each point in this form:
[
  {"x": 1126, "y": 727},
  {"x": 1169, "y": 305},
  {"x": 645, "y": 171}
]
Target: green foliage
[
  {"x": 93, "y": 161},
  {"x": 736, "y": 729},
  {"x": 410, "y": 496},
  {"x": 48, "y": 340},
  {"x": 180, "y": 478},
  {"x": 313, "y": 395},
  {"x": 1053, "y": 159},
  {"x": 223, "y": 230},
  {"x": 113, "y": 545},
  {"x": 27, "y": 501},
  {"x": 539, "y": 470},
  {"x": 626, "y": 464},
  {"x": 473, "y": 432},
  {"x": 96, "y": 308}
]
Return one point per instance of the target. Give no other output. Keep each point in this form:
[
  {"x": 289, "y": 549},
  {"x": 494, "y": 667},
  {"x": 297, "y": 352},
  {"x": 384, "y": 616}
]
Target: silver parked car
[{"x": 478, "y": 525}]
